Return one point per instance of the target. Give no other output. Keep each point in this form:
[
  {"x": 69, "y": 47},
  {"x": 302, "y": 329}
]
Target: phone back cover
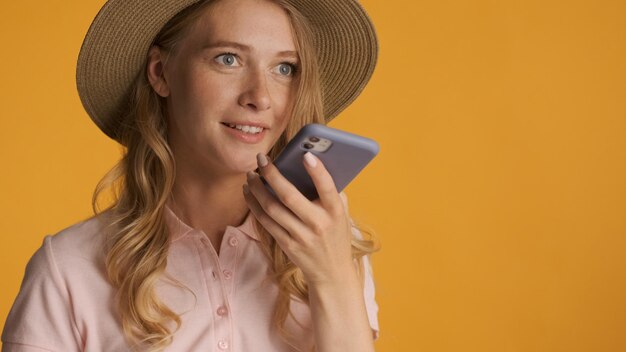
[{"x": 347, "y": 156}]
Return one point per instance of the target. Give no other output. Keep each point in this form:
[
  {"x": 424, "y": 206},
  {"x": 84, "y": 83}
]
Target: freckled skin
[{"x": 208, "y": 86}]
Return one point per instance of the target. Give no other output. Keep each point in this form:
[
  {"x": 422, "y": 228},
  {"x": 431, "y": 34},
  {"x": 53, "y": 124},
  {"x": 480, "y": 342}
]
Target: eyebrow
[{"x": 242, "y": 47}]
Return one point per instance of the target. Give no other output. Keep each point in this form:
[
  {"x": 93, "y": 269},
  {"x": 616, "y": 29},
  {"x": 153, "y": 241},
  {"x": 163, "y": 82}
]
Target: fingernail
[
  {"x": 250, "y": 175},
  {"x": 261, "y": 159},
  {"x": 245, "y": 189},
  {"x": 310, "y": 159}
]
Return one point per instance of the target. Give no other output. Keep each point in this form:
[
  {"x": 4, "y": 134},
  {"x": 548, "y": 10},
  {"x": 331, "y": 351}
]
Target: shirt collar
[{"x": 179, "y": 229}]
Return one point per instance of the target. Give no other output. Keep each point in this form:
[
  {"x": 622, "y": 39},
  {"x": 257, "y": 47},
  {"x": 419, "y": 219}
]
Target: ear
[{"x": 156, "y": 72}]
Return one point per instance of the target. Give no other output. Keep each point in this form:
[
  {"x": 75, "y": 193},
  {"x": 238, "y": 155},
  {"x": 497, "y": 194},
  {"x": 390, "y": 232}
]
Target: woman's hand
[
  {"x": 315, "y": 235},
  {"x": 317, "y": 238}
]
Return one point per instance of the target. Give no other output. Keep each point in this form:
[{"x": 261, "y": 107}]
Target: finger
[
  {"x": 344, "y": 201},
  {"x": 277, "y": 231},
  {"x": 287, "y": 193},
  {"x": 274, "y": 208},
  {"x": 324, "y": 184}
]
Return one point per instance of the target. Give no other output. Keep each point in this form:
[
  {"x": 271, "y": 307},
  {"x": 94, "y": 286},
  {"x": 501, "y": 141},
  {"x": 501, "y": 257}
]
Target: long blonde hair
[{"x": 137, "y": 237}]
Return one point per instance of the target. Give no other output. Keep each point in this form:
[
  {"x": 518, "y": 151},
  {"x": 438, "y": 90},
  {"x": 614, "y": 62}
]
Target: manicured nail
[
  {"x": 245, "y": 189},
  {"x": 261, "y": 159},
  {"x": 310, "y": 159}
]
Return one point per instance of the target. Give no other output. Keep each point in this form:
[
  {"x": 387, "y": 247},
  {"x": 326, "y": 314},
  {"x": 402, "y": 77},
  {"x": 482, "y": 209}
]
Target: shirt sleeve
[
  {"x": 369, "y": 290},
  {"x": 40, "y": 318},
  {"x": 368, "y": 287}
]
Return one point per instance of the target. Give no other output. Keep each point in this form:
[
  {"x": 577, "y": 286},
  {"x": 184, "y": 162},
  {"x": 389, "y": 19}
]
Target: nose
[{"x": 255, "y": 94}]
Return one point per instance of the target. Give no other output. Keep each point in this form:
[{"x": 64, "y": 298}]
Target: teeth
[{"x": 246, "y": 128}]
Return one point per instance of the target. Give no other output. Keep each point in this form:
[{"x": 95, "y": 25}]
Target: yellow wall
[{"x": 499, "y": 194}]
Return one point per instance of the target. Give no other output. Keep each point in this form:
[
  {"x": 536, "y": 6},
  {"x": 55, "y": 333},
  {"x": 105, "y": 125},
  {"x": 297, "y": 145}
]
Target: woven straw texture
[{"x": 118, "y": 40}]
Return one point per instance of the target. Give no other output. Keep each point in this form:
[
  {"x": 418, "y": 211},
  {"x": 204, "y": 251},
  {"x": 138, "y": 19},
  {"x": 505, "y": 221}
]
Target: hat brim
[{"x": 116, "y": 44}]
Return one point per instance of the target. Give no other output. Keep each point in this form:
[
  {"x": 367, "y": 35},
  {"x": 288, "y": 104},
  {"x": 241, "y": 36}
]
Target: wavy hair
[{"x": 136, "y": 234}]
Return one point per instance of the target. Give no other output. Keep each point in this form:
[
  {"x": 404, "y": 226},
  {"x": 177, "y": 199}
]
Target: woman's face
[{"x": 235, "y": 66}]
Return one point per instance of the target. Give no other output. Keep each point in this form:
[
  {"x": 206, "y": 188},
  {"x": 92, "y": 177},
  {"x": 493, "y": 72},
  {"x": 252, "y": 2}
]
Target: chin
[{"x": 242, "y": 164}]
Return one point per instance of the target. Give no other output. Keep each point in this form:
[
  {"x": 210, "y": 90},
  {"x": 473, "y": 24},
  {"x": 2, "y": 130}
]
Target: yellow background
[{"x": 499, "y": 194}]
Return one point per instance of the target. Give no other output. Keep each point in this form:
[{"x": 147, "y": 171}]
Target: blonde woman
[{"x": 194, "y": 254}]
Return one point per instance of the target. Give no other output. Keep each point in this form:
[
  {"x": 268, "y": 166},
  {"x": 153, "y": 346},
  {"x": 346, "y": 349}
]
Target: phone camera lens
[
  {"x": 314, "y": 139},
  {"x": 308, "y": 146}
]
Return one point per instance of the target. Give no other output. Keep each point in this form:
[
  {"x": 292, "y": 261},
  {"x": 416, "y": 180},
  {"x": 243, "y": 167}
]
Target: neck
[{"x": 209, "y": 202}]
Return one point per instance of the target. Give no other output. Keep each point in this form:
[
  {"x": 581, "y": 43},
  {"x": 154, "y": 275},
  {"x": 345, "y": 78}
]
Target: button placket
[
  {"x": 217, "y": 293},
  {"x": 222, "y": 311},
  {"x": 229, "y": 258},
  {"x": 223, "y": 344},
  {"x": 233, "y": 241}
]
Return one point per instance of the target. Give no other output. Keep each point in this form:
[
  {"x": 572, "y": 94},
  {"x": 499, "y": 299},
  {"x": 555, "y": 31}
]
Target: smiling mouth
[{"x": 245, "y": 128}]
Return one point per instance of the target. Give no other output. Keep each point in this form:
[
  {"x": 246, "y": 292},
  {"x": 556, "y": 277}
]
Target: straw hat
[{"x": 117, "y": 43}]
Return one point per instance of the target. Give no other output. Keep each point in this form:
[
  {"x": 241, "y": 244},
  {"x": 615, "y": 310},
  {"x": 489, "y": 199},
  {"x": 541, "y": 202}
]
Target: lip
[
  {"x": 246, "y": 137},
  {"x": 248, "y": 123}
]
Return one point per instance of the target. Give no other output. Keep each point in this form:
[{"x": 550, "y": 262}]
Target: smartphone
[{"x": 343, "y": 154}]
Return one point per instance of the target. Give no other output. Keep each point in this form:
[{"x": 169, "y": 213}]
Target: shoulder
[
  {"x": 77, "y": 255},
  {"x": 63, "y": 271},
  {"x": 68, "y": 256},
  {"x": 79, "y": 242},
  {"x": 81, "y": 237},
  {"x": 71, "y": 259}
]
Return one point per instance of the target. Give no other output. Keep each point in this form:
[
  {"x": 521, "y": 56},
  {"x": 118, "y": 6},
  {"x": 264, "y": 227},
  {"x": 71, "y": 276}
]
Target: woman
[{"x": 194, "y": 253}]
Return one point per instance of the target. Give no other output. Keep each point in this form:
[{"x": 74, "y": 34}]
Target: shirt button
[
  {"x": 233, "y": 241},
  {"x": 222, "y": 344},
  {"x": 222, "y": 311},
  {"x": 228, "y": 274}
]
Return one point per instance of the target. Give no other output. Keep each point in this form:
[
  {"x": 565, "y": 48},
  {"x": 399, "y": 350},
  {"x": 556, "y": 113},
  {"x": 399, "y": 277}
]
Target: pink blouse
[{"x": 66, "y": 304}]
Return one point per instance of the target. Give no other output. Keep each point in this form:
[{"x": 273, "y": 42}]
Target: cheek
[
  {"x": 283, "y": 98},
  {"x": 198, "y": 93}
]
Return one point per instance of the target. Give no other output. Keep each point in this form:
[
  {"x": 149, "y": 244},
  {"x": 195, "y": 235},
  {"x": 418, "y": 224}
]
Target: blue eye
[
  {"x": 287, "y": 69},
  {"x": 227, "y": 59}
]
